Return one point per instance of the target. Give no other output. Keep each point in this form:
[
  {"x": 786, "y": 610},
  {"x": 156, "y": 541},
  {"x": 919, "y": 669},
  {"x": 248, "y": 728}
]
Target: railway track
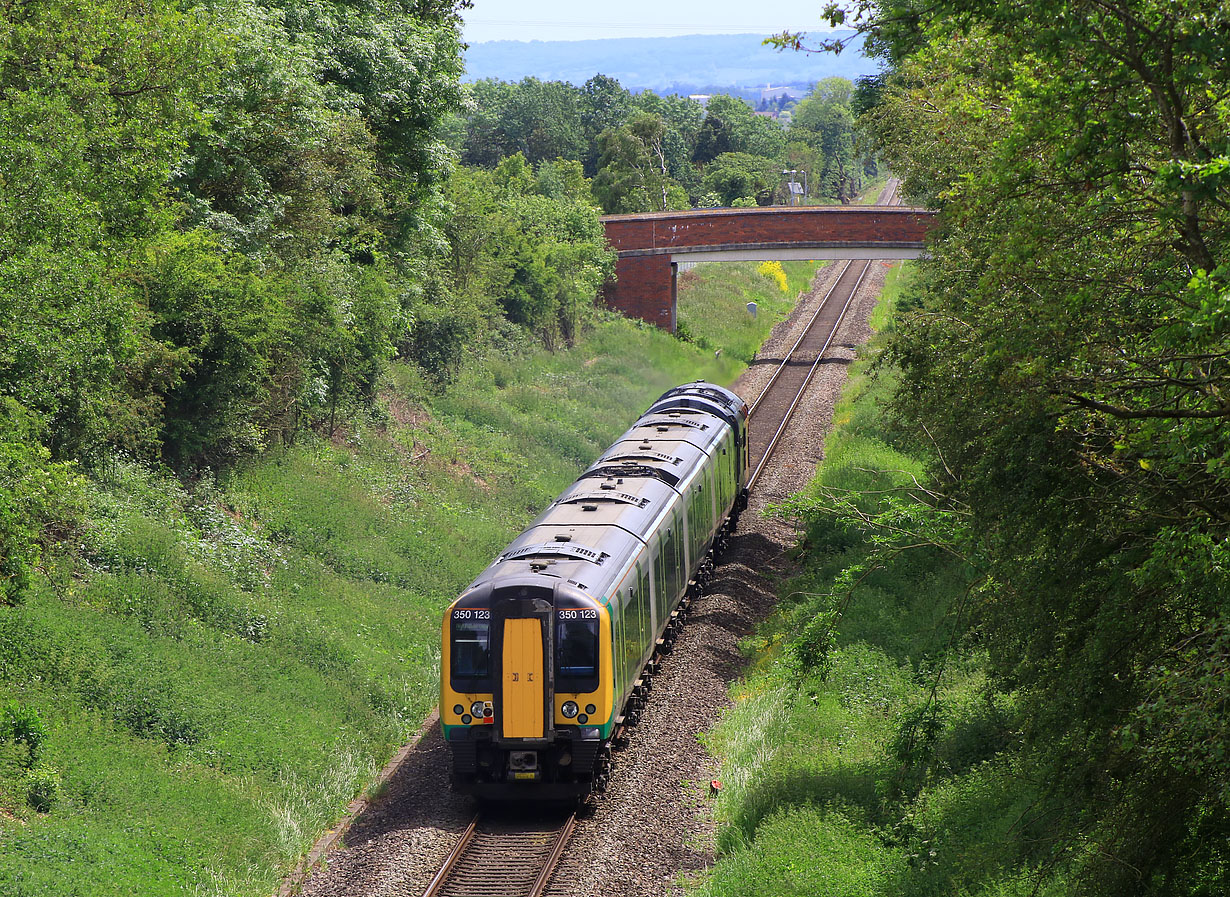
[
  {"x": 889, "y": 195},
  {"x": 498, "y": 857},
  {"x": 503, "y": 858},
  {"x": 770, "y": 413}
]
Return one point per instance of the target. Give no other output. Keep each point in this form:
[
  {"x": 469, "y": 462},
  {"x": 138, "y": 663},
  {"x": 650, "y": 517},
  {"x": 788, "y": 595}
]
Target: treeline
[
  {"x": 1065, "y": 361},
  {"x": 649, "y": 153},
  {"x": 220, "y": 220}
]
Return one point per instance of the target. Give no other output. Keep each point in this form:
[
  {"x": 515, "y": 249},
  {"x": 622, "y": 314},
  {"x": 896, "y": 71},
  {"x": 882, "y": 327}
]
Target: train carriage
[{"x": 546, "y": 652}]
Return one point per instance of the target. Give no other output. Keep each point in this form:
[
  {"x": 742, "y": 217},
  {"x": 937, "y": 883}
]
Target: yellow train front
[{"x": 546, "y": 652}]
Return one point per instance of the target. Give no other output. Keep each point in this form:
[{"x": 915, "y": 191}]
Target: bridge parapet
[{"x": 648, "y": 245}]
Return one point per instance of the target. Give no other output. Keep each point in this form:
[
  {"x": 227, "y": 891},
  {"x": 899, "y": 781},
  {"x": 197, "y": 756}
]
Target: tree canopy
[{"x": 1066, "y": 356}]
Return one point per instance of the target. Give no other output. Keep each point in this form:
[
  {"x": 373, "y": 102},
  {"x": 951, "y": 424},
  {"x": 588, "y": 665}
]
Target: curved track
[
  {"x": 771, "y": 411},
  {"x": 510, "y": 856}
]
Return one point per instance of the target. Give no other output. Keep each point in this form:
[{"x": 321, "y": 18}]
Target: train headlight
[
  {"x": 569, "y": 709},
  {"x": 477, "y": 708},
  {"x": 591, "y": 709},
  {"x": 458, "y": 709}
]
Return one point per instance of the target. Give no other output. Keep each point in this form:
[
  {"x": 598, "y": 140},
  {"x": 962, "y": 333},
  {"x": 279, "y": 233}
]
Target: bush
[
  {"x": 23, "y": 724},
  {"x": 42, "y": 787},
  {"x": 42, "y": 498},
  {"x": 775, "y": 273}
]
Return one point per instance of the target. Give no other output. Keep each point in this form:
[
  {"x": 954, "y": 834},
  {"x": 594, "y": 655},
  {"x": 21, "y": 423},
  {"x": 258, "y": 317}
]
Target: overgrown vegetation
[
  {"x": 713, "y": 300},
  {"x": 867, "y": 753},
  {"x": 199, "y": 683},
  {"x": 277, "y": 377},
  {"x": 651, "y": 153},
  {"x": 203, "y": 683},
  {"x": 1061, "y": 369}
]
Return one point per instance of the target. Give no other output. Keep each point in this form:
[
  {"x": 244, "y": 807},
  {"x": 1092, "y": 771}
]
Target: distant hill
[{"x": 698, "y": 63}]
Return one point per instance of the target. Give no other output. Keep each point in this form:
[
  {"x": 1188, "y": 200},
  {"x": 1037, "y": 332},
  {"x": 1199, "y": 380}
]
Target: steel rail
[
  {"x": 803, "y": 335},
  {"x": 557, "y": 853},
  {"x": 807, "y": 380},
  {"x": 450, "y": 861}
]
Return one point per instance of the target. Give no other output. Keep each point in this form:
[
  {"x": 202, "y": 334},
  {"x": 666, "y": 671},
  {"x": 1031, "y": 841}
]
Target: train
[{"x": 547, "y": 655}]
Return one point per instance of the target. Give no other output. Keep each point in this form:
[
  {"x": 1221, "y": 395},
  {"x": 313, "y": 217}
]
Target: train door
[{"x": 523, "y": 679}]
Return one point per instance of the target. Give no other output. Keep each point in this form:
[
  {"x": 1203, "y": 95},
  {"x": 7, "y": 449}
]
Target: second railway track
[{"x": 772, "y": 409}]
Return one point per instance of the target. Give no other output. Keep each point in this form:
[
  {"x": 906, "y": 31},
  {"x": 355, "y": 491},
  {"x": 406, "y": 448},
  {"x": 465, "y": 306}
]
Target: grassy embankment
[
  {"x": 862, "y": 781},
  {"x": 713, "y": 299},
  {"x": 224, "y": 664}
]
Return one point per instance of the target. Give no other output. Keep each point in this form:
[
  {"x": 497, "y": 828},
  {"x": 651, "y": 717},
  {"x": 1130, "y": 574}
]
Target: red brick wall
[
  {"x": 845, "y": 224},
  {"x": 642, "y": 289}
]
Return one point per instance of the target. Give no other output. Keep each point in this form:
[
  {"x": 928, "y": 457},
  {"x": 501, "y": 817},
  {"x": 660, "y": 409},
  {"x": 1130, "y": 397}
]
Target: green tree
[
  {"x": 634, "y": 174},
  {"x": 1068, "y": 360},
  {"x": 542, "y": 120},
  {"x": 682, "y": 118},
  {"x": 743, "y": 179},
  {"x": 280, "y": 168},
  {"x": 98, "y": 101},
  {"x": 730, "y": 126},
  {"x": 399, "y": 61},
  {"x": 528, "y": 247},
  {"x": 824, "y": 120},
  {"x": 604, "y": 104}
]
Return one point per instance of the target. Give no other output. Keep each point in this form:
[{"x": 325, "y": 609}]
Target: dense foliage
[
  {"x": 1065, "y": 356},
  {"x": 652, "y": 153},
  {"x": 221, "y": 221}
]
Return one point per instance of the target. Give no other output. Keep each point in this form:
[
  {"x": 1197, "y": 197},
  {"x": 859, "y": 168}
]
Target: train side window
[
  {"x": 694, "y": 525},
  {"x": 645, "y": 611},
  {"x": 661, "y": 566},
  {"x": 471, "y": 653},
  {"x": 617, "y": 656},
  {"x": 681, "y": 563},
  {"x": 632, "y": 633},
  {"x": 670, "y": 569}
]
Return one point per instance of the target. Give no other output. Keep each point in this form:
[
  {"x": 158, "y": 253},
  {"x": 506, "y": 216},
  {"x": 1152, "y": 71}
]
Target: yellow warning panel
[{"x": 523, "y": 679}]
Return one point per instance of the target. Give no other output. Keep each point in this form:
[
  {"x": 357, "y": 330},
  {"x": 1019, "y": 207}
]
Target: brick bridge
[{"x": 651, "y": 246}]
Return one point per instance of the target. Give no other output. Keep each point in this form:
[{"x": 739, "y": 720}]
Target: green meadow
[{"x": 196, "y": 691}]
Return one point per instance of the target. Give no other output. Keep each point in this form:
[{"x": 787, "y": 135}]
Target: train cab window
[
  {"x": 576, "y": 647},
  {"x": 471, "y": 651}
]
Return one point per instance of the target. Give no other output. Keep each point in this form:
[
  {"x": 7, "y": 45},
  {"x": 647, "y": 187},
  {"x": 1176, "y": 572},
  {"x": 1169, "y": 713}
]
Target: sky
[{"x": 586, "y": 20}]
